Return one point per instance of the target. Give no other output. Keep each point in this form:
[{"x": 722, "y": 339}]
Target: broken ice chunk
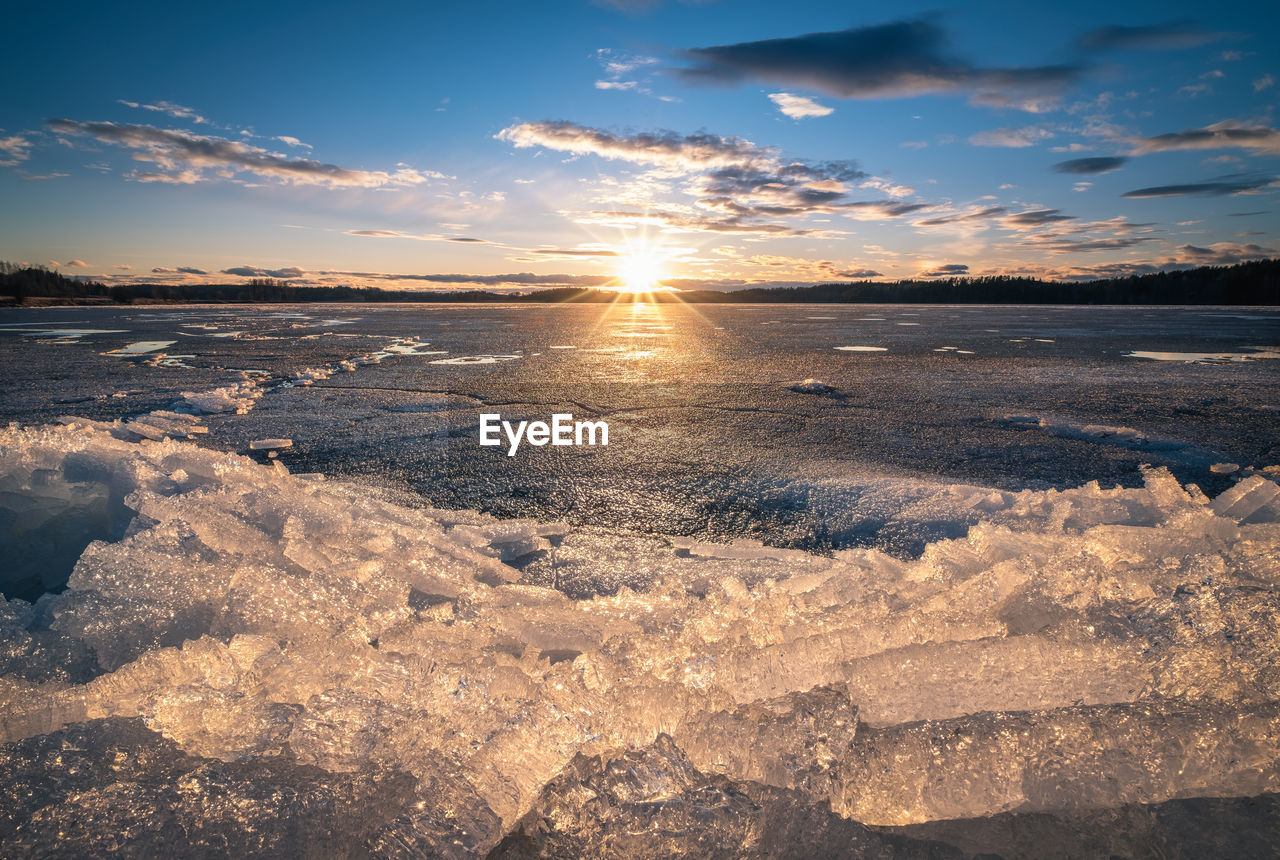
[
  {"x": 1247, "y": 498},
  {"x": 812, "y": 386},
  {"x": 270, "y": 444}
]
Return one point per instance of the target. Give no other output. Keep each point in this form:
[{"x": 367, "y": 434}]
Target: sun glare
[{"x": 639, "y": 272}]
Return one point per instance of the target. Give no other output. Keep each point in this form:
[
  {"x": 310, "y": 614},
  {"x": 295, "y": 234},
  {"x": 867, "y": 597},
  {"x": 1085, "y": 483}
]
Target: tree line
[{"x": 1253, "y": 283}]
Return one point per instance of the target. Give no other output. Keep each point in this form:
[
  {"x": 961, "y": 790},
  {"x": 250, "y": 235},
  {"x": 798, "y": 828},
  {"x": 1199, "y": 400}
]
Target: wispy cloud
[
  {"x": 420, "y": 237},
  {"x": 799, "y": 107},
  {"x": 970, "y": 217},
  {"x": 1157, "y": 37},
  {"x": 1220, "y": 187},
  {"x": 686, "y": 153},
  {"x": 1220, "y": 135},
  {"x": 184, "y": 157},
  {"x": 14, "y": 149},
  {"x": 1013, "y": 138},
  {"x": 628, "y": 72},
  {"x": 294, "y": 142},
  {"x": 902, "y": 58},
  {"x": 173, "y": 110}
]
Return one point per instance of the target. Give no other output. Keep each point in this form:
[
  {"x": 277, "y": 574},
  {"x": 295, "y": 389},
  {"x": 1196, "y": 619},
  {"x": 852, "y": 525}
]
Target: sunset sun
[{"x": 640, "y": 271}]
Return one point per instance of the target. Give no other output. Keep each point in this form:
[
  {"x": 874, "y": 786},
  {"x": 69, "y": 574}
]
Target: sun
[{"x": 639, "y": 272}]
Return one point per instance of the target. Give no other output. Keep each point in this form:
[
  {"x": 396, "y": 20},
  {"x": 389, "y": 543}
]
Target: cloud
[
  {"x": 186, "y": 158},
  {"x": 1160, "y": 37},
  {"x": 860, "y": 273},
  {"x": 967, "y": 217},
  {"x": 168, "y": 107},
  {"x": 799, "y": 107},
  {"x": 627, "y": 72},
  {"x": 1014, "y": 138},
  {"x": 1263, "y": 83},
  {"x": 255, "y": 272},
  {"x": 76, "y": 264},
  {"x": 950, "y": 270},
  {"x": 13, "y": 150},
  {"x": 1224, "y": 253},
  {"x": 1034, "y": 218},
  {"x": 518, "y": 279},
  {"x": 1234, "y": 184},
  {"x": 903, "y": 58},
  {"x": 1057, "y": 245},
  {"x": 1192, "y": 90},
  {"x": 1220, "y": 135},
  {"x": 1035, "y": 103},
  {"x": 191, "y": 270},
  {"x": 574, "y": 252},
  {"x": 664, "y": 148},
  {"x": 677, "y": 222},
  {"x": 736, "y": 181},
  {"x": 420, "y": 237},
  {"x": 293, "y": 141},
  {"x": 1100, "y": 164}
]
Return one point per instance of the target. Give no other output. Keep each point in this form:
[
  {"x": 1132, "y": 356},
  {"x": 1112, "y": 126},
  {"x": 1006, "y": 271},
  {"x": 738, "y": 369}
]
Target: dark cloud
[
  {"x": 184, "y": 158},
  {"x": 860, "y": 273},
  {"x": 1036, "y": 218},
  {"x": 1063, "y": 246},
  {"x": 255, "y": 272},
  {"x": 1248, "y": 214},
  {"x": 191, "y": 270},
  {"x": 1224, "y": 253},
  {"x": 875, "y": 209},
  {"x": 1220, "y": 135},
  {"x": 1236, "y": 184},
  {"x": 1100, "y": 164},
  {"x": 903, "y": 58},
  {"x": 1179, "y": 34},
  {"x": 950, "y": 270}
]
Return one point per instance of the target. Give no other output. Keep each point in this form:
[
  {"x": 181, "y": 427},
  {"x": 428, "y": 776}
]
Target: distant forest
[{"x": 1256, "y": 283}]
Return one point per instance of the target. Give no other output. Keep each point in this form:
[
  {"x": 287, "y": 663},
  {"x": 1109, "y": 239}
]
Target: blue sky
[{"x": 720, "y": 144}]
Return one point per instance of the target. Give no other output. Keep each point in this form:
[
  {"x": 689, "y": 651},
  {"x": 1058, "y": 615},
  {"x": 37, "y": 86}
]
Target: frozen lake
[
  {"x": 707, "y": 436},
  {"x": 212, "y": 645}
]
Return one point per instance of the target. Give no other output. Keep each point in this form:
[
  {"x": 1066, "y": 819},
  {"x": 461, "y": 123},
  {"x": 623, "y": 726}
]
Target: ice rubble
[{"x": 1078, "y": 649}]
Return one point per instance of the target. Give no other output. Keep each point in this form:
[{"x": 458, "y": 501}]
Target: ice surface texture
[{"x": 241, "y": 652}]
